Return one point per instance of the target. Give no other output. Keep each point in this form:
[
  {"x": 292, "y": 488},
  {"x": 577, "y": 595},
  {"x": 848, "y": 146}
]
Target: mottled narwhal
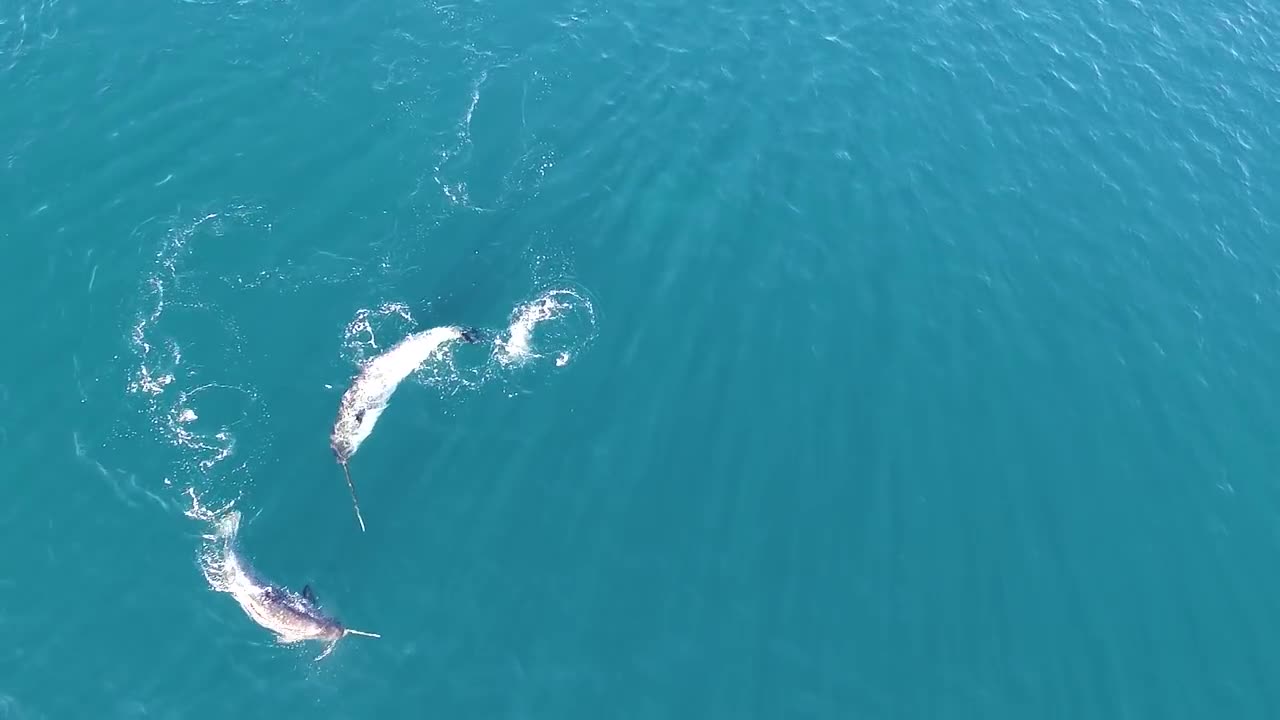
[
  {"x": 293, "y": 617},
  {"x": 372, "y": 387}
]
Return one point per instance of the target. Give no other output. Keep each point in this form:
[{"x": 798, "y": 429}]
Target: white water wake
[{"x": 187, "y": 401}]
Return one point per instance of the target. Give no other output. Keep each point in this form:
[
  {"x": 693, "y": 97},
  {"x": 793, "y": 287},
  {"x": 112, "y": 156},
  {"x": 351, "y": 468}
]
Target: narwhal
[
  {"x": 293, "y": 617},
  {"x": 372, "y": 387}
]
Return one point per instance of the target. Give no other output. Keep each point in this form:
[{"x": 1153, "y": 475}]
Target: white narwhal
[
  {"x": 293, "y": 617},
  {"x": 372, "y": 387}
]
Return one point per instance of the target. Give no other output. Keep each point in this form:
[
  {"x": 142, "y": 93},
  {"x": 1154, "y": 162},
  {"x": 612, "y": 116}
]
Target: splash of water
[
  {"x": 558, "y": 324},
  {"x": 224, "y": 525},
  {"x": 392, "y": 320}
]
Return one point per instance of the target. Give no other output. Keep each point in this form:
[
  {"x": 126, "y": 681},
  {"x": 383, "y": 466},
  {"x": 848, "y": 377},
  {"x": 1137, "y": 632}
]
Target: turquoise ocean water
[{"x": 871, "y": 360}]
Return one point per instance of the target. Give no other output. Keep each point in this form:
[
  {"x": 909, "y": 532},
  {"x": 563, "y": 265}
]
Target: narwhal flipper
[{"x": 328, "y": 649}]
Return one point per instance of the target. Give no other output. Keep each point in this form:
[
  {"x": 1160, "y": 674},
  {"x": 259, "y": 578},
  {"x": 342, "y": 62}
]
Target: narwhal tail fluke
[
  {"x": 361, "y": 633},
  {"x": 355, "y": 502}
]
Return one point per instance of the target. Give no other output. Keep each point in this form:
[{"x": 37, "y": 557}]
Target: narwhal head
[
  {"x": 351, "y": 429},
  {"x": 323, "y": 626},
  {"x": 341, "y": 448},
  {"x": 333, "y": 631},
  {"x": 330, "y": 630}
]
